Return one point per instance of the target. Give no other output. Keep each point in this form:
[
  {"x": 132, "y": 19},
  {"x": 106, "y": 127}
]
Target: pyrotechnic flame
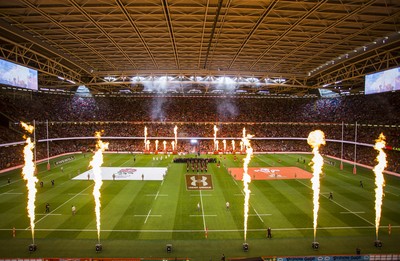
[
  {"x": 224, "y": 142},
  {"x": 28, "y": 128},
  {"x": 244, "y": 132},
  {"x": 241, "y": 146},
  {"x": 217, "y": 145},
  {"x": 379, "y": 179},
  {"x": 176, "y": 136},
  {"x": 233, "y": 145},
  {"x": 165, "y": 145},
  {"x": 173, "y": 145},
  {"x": 145, "y": 137},
  {"x": 28, "y": 172},
  {"x": 156, "y": 145},
  {"x": 215, "y": 137},
  {"x": 147, "y": 145},
  {"x": 246, "y": 180},
  {"x": 96, "y": 163},
  {"x": 315, "y": 140}
]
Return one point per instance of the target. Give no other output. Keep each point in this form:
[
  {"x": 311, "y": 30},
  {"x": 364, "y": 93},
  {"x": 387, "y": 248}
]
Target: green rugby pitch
[{"x": 138, "y": 218}]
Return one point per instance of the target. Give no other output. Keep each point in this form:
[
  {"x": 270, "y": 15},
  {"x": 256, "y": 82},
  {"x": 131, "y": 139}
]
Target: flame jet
[
  {"x": 246, "y": 180},
  {"x": 96, "y": 163},
  {"x": 28, "y": 172},
  {"x": 176, "y": 136},
  {"x": 215, "y": 137},
  {"x": 379, "y": 179},
  {"x": 145, "y": 137},
  {"x": 315, "y": 140}
]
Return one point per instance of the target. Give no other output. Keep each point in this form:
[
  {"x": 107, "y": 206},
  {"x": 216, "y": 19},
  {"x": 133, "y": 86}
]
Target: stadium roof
[{"x": 259, "y": 46}]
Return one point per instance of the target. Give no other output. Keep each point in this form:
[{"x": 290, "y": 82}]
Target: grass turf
[{"x": 138, "y": 218}]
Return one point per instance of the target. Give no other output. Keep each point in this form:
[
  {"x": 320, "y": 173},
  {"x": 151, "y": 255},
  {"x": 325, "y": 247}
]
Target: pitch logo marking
[
  {"x": 199, "y": 182},
  {"x": 202, "y": 180}
]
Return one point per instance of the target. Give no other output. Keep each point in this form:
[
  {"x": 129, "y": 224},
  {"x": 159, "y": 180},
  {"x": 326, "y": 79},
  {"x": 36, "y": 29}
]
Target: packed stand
[{"x": 265, "y": 118}]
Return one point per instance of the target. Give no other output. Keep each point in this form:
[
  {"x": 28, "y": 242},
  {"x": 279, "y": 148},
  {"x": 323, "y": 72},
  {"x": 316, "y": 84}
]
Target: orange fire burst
[
  {"x": 379, "y": 179},
  {"x": 224, "y": 142},
  {"x": 315, "y": 140},
  {"x": 246, "y": 180},
  {"x": 96, "y": 163},
  {"x": 233, "y": 145},
  {"x": 173, "y": 145},
  {"x": 165, "y": 145},
  {"x": 28, "y": 172},
  {"x": 156, "y": 145}
]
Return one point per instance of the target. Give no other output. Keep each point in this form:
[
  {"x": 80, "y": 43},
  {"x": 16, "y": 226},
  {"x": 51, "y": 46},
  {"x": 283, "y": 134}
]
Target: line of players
[{"x": 197, "y": 165}]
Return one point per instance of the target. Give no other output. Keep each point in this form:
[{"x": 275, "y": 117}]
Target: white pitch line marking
[
  {"x": 48, "y": 214},
  {"x": 205, "y": 195},
  {"x": 348, "y": 210},
  {"x": 239, "y": 194},
  {"x": 253, "y": 208},
  {"x": 78, "y": 194},
  {"x": 203, "y": 215},
  {"x": 259, "y": 215},
  {"x": 147, "y": 216},
  {"x": 354, "y": 212},
  {"x": 61, "y": 205},
  {"x": 155, "y": 195},
  {"x": 202, "y": 212},
  {"x": 391, "y": 193},
  {"x": 12, "y": 193}
]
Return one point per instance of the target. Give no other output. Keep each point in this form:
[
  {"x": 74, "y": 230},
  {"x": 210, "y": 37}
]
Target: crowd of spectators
[
  {"x": 265, "y": 118},
  {"x": 373, "y": 109}
]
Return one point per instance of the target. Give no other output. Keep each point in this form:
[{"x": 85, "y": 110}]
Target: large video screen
[
  {"x": 384, "y": 81},
  {"x": 18, "y": 76}
]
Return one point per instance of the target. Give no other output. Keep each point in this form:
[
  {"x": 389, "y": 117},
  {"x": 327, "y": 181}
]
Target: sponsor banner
[
  {"x": 199, "y": 182},
  {"x": 65, "y": 160},
  {"x": 126, "y": 173}
]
